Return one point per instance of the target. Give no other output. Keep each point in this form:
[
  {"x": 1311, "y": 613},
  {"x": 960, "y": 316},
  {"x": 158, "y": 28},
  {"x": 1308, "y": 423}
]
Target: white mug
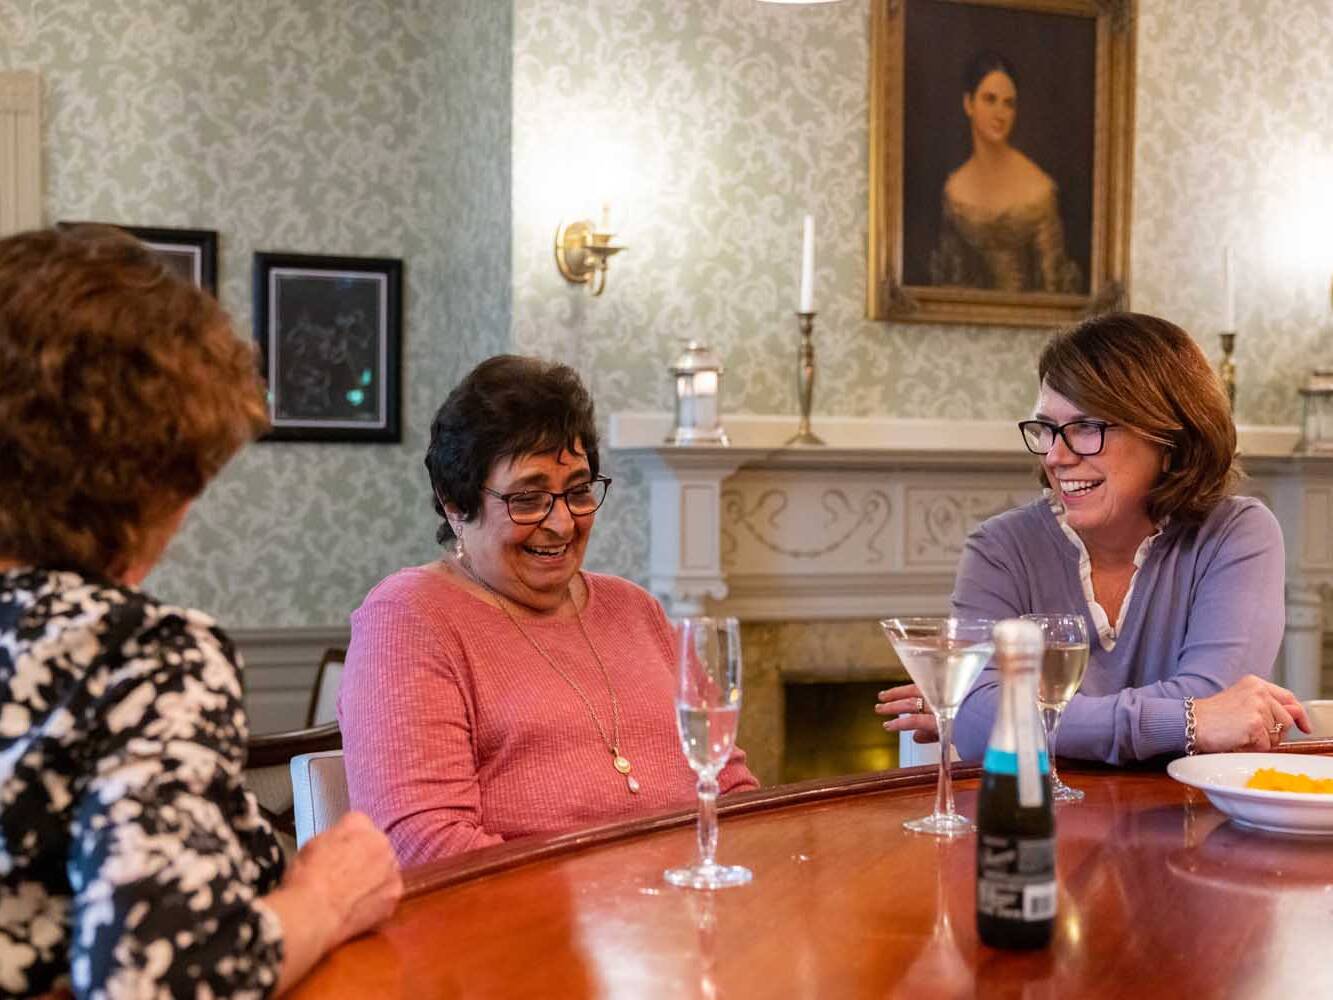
[{"x": 1321, "y": 717}]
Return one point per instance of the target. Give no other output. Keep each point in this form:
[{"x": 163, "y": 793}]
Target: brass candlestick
[
  {"x": 805, "y": 382},
  {"x": 1227, "y": 369}
]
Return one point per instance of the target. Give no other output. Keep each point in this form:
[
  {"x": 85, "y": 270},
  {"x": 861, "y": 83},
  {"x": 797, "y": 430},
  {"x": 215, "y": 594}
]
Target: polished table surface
[{"x": 1159, "y": 895}]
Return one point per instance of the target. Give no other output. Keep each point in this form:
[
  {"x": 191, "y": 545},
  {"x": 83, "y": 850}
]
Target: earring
[{"x": 460, "y": 552}]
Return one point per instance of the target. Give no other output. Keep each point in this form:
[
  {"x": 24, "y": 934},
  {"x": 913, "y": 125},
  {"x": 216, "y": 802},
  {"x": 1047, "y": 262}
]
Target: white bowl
[{"x": 1222, "y": 777}]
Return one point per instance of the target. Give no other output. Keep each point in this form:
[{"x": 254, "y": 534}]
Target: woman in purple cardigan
[{"x": 1180, "y": 582}]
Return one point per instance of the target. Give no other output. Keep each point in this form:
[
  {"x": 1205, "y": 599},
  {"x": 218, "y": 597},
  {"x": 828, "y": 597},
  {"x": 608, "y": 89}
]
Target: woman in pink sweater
[{"x": 501, "y": 691}]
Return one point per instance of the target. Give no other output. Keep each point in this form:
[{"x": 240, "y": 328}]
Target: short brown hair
[
  {"x": 1150, "y": 376},
  {"x": 123, "y": 391},
  {"x": 507, "y": 406}
]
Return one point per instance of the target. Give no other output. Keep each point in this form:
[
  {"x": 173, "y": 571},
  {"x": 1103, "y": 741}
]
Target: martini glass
[
  {"x": 943, "y": 656},
  {"x": 939, "y": 969},
  {"x": 1063, "y": 664}
]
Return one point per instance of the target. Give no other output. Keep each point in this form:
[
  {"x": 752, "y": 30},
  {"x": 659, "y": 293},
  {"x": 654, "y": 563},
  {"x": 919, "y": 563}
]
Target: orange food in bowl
[{"x": 1270, "y": 779}]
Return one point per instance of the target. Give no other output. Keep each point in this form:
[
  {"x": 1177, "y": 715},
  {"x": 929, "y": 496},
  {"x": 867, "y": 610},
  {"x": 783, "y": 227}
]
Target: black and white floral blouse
[{"x": 131, "y": 857}]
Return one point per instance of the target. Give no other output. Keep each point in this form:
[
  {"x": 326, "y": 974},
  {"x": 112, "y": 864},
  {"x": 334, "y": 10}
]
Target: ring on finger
[
  {"x": 1277, "y": 728},
  {"x": 920, "y": 705}
]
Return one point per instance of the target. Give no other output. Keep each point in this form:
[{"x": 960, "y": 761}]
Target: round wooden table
[{"x": 1159, "y": 895}]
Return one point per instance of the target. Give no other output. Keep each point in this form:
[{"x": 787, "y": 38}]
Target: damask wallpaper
[
  {"x": 1235, "y": 147},
  {"x": 375, "y": 127},
  {"x": 734, "y": 118},
  {"x": 457, "y": 134}
]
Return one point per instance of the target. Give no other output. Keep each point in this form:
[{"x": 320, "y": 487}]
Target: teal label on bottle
[{"x": 1006, "y": 762}]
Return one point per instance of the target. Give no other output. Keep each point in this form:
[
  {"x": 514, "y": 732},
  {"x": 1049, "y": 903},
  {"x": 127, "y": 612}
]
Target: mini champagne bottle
[{"x": 1016, "y": 889}]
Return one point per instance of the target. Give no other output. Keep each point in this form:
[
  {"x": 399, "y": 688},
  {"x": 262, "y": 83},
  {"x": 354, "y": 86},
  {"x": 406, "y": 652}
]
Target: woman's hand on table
[
  {"x": 353, "y": 865},
  {"x": 341, "y": 884},
  {"x": 1252, "y": 714},
  {"x": 906, "y": 703}
]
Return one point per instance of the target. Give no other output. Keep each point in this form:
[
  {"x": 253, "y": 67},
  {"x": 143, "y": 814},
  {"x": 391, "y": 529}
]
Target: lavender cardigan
[{"x": 1206, "y": 609}]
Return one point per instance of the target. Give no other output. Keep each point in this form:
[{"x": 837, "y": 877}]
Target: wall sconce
[{"x": 582, "y": 250}]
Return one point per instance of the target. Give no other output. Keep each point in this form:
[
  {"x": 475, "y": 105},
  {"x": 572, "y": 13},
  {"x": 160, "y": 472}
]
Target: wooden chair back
[
  {"x": 268, "y": 772},
  {"x": 324, "y": 695}
]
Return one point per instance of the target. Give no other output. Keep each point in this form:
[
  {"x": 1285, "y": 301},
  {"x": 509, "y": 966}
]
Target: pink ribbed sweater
[{"x": 458, "y": 734}]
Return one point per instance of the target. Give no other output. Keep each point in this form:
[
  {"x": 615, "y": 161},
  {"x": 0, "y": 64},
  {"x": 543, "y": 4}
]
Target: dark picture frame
[
  {"x": 329, "y": 331},
  {"x": 191, "y": 253},
  {"x": 945, "y": 246}
]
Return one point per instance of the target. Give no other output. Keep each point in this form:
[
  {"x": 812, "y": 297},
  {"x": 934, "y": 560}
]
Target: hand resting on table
[{"x": 1246, "y": 716}]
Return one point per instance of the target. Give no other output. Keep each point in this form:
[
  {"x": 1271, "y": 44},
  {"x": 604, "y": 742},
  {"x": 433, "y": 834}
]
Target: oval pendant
[
  {"x": 633, "y": 783},
  {"x": 622, "y": 765}
]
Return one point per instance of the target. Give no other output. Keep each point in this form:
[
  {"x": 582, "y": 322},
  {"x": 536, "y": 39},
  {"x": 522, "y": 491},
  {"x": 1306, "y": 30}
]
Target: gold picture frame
[{"x": 940, "y": 251}]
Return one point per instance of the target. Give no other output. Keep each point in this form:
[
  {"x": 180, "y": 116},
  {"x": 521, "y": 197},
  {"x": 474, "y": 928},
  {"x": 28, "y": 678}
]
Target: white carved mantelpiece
[
  {"x": 684, "y": 552},
  {"x": 874, "y": 523}
]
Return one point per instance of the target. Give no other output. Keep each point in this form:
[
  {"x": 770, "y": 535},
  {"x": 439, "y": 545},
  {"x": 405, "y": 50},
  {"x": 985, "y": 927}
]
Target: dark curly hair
[
  {"x": 1150, "y": 375},
  {"x": 983, "y": 64},
  {"x": 505, "y": 407},
  {"x": 123, "y": 390}
]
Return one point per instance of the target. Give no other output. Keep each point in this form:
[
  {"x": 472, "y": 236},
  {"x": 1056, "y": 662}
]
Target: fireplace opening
[{"x": 831, "y": 729}]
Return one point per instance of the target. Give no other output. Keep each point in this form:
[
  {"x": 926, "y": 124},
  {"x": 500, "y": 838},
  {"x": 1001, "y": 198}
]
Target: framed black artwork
[
  {"x": 329, "y": 331},
  {"x": 192, "y": 253}
]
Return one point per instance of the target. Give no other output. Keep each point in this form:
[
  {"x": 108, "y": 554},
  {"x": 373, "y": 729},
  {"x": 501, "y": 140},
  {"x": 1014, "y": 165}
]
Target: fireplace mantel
[{"x": 874, "y": 522}]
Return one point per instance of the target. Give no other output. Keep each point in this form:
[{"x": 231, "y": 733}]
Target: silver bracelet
[{"x": 1191, "y": 727}]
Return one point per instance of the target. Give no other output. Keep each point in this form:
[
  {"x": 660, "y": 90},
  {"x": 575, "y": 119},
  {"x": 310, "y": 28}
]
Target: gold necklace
[{"x": 618, "y": 760}]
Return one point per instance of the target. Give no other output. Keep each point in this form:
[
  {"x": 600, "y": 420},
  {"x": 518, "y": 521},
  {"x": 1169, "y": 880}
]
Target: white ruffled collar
[{"x": 1106, "y": 632}]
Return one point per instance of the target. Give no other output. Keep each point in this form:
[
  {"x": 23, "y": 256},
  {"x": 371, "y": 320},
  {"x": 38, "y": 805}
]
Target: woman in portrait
[
  {"x": 1000, "y": 221},
  {"x": 501, "y": 690},
  {"x": 133, "y": 862},
  {"x": 1180, "y": 582}
]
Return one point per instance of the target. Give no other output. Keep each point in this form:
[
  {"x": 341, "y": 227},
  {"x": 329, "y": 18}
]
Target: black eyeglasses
[
  {"x": 533, "y": 506},
  {"x": 1082, "y": 437}
]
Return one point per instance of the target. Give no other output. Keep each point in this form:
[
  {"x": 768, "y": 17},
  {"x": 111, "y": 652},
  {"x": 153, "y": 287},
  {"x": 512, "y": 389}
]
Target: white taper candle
[
  {"x": 1228, "y": 293},
  {"x": 807, "y": 300}
]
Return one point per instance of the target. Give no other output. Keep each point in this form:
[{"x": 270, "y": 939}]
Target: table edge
[{"x": 423, "y": 879}]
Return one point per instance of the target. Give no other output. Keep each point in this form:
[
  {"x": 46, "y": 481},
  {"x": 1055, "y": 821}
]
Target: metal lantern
[
  {"x": 697, "y": 375},
  {"x": 1317, "y": 426}
]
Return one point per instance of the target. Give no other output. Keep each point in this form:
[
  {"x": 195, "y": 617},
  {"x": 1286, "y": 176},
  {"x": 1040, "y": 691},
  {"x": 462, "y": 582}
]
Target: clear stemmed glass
[
  {"x": 943, "y": 657},
  {"x": 708, "y": 708},
  {"x": 1062, "y": 667},
  {"x": 939, "y": 969},
  {"x": 704, "y": 907}
]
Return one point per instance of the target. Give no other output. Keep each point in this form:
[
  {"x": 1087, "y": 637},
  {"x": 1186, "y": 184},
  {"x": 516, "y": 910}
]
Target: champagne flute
[
  {"x": 943, "y": 656},
  {"x": 708, "y": 708},
  {"x": 1062, "y": 667}
]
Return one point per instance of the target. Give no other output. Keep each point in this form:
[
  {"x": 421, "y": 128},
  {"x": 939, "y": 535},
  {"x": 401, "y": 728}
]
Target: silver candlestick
[
  {"x": 805, "y": 382},
  {"x": 1227, "y": 369}
]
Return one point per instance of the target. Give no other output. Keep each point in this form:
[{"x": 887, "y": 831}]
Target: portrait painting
[
  {"x": 191, "y": 253},
  {"x": 1000, "y": 159},
  {"x": 329, "y": 333}
]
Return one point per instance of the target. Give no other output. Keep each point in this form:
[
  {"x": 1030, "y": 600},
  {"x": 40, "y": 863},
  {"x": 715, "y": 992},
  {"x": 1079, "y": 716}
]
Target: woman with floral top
[{"x": 132, "y": 860}]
